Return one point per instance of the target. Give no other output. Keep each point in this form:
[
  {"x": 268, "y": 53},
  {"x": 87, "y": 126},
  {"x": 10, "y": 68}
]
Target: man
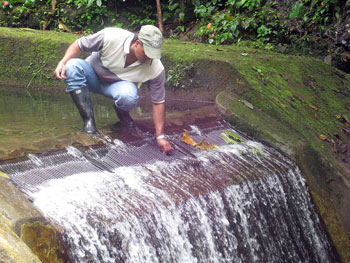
[{"x": 119, "y": 59}]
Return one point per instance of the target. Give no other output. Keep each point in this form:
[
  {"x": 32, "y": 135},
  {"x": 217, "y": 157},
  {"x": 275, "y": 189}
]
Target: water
[
  {"x": 41, "y": 121},
  {"x": 239, "y": 203}
]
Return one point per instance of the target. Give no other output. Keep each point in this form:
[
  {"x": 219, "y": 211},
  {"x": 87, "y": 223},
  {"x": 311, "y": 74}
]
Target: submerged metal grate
[{"x": 43, "y": 167}]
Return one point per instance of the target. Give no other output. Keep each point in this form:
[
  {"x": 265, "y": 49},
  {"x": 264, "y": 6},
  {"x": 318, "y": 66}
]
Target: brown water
[{"x": 37, "y": 121}]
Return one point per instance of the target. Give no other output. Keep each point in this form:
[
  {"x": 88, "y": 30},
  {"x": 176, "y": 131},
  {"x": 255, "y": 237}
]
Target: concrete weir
[{"x": 127, "y": 202}]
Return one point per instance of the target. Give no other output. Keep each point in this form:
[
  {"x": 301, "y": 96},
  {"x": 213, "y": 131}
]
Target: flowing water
[
  {"x": 236, "y": 203},
  {"x": 129, "y": 203}
]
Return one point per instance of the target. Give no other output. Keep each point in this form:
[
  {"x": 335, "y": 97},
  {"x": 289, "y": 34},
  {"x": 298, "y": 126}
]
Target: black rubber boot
[
  {"x": 127, "y": 122},
  {"x": 124, "y": 117},
  {"x": 81, "y": 98}
]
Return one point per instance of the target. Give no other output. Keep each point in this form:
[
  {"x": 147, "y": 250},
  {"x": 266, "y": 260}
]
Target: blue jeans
[{"x": 80, "y": 74}]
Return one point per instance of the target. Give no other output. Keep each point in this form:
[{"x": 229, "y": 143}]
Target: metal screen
[{"x": 37, "y": 168}]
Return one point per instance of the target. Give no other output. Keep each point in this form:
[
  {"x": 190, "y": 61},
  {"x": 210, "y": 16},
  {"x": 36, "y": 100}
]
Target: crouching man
[{"x": 118, "y": 60}]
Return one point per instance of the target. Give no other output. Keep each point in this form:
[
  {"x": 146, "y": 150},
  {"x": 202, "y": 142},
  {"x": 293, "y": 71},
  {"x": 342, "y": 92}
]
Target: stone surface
[
  {"x": 14, "y": 207},
  {"x": 19, "y": 218},
  {"x": 12, "y": 248}
]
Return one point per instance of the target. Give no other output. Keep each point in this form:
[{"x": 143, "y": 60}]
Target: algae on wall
[
  {"x": 12, "y": 248},
  {"x": 295, "y": 102},
  {"x": 29, "y": 57},
  {"x": 25, "y": 236}
]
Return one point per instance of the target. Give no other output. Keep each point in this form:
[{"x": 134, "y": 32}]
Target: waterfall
[{"x": 237, "y": 203}]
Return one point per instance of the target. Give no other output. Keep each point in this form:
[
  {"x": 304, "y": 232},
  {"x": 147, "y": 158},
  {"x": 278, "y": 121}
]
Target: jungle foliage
[{"x": 310, "y": 26}]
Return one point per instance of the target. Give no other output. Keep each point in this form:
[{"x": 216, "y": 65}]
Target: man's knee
[
  {"x": 127, "y": 97},
  {"x": 74, "y": 66},
  {"x": 76, "y": 74}
]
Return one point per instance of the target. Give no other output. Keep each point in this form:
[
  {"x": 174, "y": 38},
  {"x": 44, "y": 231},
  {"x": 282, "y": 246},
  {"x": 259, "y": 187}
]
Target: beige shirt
[{"x": 109, "y": 48}]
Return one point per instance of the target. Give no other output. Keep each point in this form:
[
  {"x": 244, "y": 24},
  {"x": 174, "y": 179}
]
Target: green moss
[
  {"x": 30, "y": 56},
  {"x": 41, "y": 239},
  {"x": 12, "y": 248},
  {"x": 329, "y": 215}
]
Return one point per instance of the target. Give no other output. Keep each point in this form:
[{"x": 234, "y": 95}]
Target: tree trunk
[
  {"x": 53, "y": 7},
  {"x": 159, "y": 11}
]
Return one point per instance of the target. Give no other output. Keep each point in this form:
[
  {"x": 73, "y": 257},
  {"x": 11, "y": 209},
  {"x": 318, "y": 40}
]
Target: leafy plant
[
  {"x": 242, "y": 19},
  {"x": 297, "y": 10},
  {"x": 242, "y": 5},
  {"x": 177, "y": 75}
]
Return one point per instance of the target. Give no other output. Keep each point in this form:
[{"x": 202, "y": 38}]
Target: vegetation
[
  {"x": 306, "y": 25},
  {"x": 312, "y": 27}
]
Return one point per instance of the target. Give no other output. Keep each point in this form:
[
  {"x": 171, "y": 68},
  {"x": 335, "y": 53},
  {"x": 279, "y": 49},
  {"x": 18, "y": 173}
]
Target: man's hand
[
  {"x": 72, "y": 51},
  {"x": 60, "y": 71},
  {"x": 164, "y": 145},
  {"x": 159, "y": 121}
]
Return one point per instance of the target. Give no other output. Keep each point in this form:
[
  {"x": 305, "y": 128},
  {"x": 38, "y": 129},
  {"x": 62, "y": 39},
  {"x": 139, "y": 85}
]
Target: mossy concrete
[
  {"x": 283, "y": 100},
  {"x": 12, "y": 248},
  {"x": 25, "y": 236},
  {"x": 28, "y": 57}
]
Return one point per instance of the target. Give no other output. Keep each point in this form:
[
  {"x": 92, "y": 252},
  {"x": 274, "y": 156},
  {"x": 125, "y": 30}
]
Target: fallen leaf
[
  {"x": 3, "y": 175},
  {"x": 341, "y": 118},
  {"x": 328, "y": 59},
  {"x": 248, "y": 104},
  {"x": 280, "y": 102},
  {"x": 230, "y": 137},
  {"x": 346, "y": 130},
  {"x": 323, "y": 137},
  {"x": 234, "y": 136},
  {"x": 256, "y": 152},
  {"x": 313, "y": 107},
  {"x": 227, "y": 139},
  {"x": 63, "y": 27},
  {"x": 204, "y": 145},
  {"x": 186, "y": 138},
  {"x": 334, "y": 146},
  {"x": 80, "y": 32}
]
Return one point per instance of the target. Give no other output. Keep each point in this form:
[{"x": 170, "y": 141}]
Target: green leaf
[
  {"x": 173, "y": 7},
  {"x": 227, "y": 139},
  {"x": 296, "y": 10},
  {"x": 182, "y": 16},
  {"x": 257, "y": 152},
  {"x": 196, "y": 2},
  {"x": 230, "y": 137},
  {"x": 182, "y": 28},
  {"x": 337, "y": 15}
]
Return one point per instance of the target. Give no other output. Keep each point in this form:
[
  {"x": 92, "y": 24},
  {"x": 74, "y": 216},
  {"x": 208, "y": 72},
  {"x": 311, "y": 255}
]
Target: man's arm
[
  {"x": 159, "y": 123},
  {"x": 72, "y": 51}
]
